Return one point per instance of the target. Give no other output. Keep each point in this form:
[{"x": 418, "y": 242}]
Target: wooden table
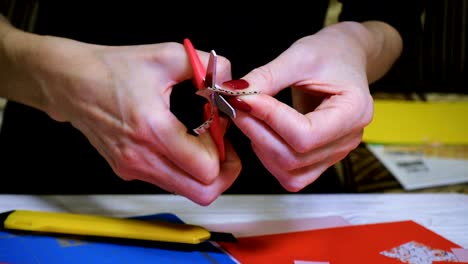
[{"x": 446, "y": 214}]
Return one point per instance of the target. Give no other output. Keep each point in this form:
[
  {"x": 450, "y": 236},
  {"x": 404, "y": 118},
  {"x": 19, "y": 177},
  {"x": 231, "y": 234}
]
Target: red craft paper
[{"x": 341, "y": 245}]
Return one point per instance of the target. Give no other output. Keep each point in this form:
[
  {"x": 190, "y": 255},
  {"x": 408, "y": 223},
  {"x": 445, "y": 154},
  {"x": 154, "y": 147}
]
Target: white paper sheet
[{"x": 424, "y": 166}]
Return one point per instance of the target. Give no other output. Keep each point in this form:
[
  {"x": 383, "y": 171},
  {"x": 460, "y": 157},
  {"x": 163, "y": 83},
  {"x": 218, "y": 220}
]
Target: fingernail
[
  {"x": 236, "y": 84},
  {"x": 239, "y": 104}
]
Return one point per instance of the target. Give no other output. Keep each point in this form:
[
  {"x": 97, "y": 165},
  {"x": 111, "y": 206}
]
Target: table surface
[{"x": 445, "y": 214}]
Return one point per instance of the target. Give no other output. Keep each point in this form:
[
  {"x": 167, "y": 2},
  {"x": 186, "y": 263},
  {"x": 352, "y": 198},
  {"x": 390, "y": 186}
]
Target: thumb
[{"x": 276, "y": 75}]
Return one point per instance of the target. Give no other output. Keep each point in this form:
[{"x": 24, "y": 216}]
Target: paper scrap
[{"x": 418, "y": 253}]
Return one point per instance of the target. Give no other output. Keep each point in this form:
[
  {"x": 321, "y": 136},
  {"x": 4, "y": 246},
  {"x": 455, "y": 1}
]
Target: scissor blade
[
  {"x": 224, "y": 106},
  {"x": 210, "y": 77}
]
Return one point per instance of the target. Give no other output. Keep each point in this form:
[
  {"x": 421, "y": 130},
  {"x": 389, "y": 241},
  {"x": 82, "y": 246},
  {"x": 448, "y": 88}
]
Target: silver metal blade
[
  {"x": 210, "y": 77},
  {"x": 223, "y": 105}
]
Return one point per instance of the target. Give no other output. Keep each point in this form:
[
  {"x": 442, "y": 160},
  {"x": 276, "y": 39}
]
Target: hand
[
  {"x": 327, "y": 72},
  {"x": 119, "y": 97}
]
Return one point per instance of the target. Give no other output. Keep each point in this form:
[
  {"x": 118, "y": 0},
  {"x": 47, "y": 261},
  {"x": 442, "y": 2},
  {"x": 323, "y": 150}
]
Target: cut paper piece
[
  {"x": 410, "y": 122},
  {"x": 339, "y": 245},
  {"x": 265, "y": 227},
  {"x": 418, "y": 253},
  {"x": 461, "y": 254}
]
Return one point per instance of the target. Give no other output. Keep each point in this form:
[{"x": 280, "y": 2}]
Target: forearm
[{"x": 17, "y": 82}]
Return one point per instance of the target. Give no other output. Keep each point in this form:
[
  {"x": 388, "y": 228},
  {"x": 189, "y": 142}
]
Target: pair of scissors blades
[{"x": 205, "y": 81}]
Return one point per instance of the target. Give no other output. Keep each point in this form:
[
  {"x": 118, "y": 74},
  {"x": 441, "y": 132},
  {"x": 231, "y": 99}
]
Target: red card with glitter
[{"x": 391, "y": 242}]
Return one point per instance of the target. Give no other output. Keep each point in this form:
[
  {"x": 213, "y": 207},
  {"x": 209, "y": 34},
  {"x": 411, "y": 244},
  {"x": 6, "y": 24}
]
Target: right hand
[{"x": 118, "y": 97}]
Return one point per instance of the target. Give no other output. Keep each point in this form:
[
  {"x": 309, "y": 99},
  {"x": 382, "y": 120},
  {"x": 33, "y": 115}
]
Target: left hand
[{"x": 327, "y": 72}]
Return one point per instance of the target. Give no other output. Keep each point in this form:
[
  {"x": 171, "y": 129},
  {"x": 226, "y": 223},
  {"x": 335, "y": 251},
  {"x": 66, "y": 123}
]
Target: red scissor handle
[{"x": 199, "y": 73}]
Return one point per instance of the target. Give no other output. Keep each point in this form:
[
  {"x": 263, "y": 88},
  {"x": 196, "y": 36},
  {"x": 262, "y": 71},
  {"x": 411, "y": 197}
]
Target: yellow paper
[{"x": 413, "y": 122}]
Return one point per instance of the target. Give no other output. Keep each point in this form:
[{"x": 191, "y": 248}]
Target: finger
[
  {"x": 206, "y": 194},
  {"x": 197, "y": 155},
  {"x": 177, "y": 53},
  {"x": 230, "y": 168},
  {"x": 278, "y": 74},
  {"x": 169, "y": 177},
  {"x": 333, "y": 119},
  {"x": 172, "y": 57},
  {"x": 223, "y": 70},
  {"x": 284, "y": 162},
  {"x": 176, "y": 64},
  {"x": 270, "y": 118},
  {"x": 289, "y": 160},
  {"x": 294, "y": 180},
  {"x": 164, "y": 173}
]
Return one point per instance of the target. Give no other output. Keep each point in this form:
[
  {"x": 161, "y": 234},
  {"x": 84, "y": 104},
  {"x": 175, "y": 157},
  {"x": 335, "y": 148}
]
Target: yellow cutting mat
[{"x": 417, "y": 122}]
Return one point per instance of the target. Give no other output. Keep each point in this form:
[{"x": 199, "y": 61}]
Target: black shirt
[{"x": 40, "y": 155}]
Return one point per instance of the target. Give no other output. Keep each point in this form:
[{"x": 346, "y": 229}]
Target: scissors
[{"x": 205, "y": 81}]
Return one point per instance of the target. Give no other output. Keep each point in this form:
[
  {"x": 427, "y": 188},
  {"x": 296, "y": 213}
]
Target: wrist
[
  {"x": 385, "y": 46},
  {"x": 347, "y": 42},
  {"x": 374, "y": 44},
  {"x": 355, "y": 37}
]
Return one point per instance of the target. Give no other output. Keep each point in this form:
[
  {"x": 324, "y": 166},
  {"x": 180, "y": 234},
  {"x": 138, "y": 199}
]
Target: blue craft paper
[{"x": 24, "y": 248}]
